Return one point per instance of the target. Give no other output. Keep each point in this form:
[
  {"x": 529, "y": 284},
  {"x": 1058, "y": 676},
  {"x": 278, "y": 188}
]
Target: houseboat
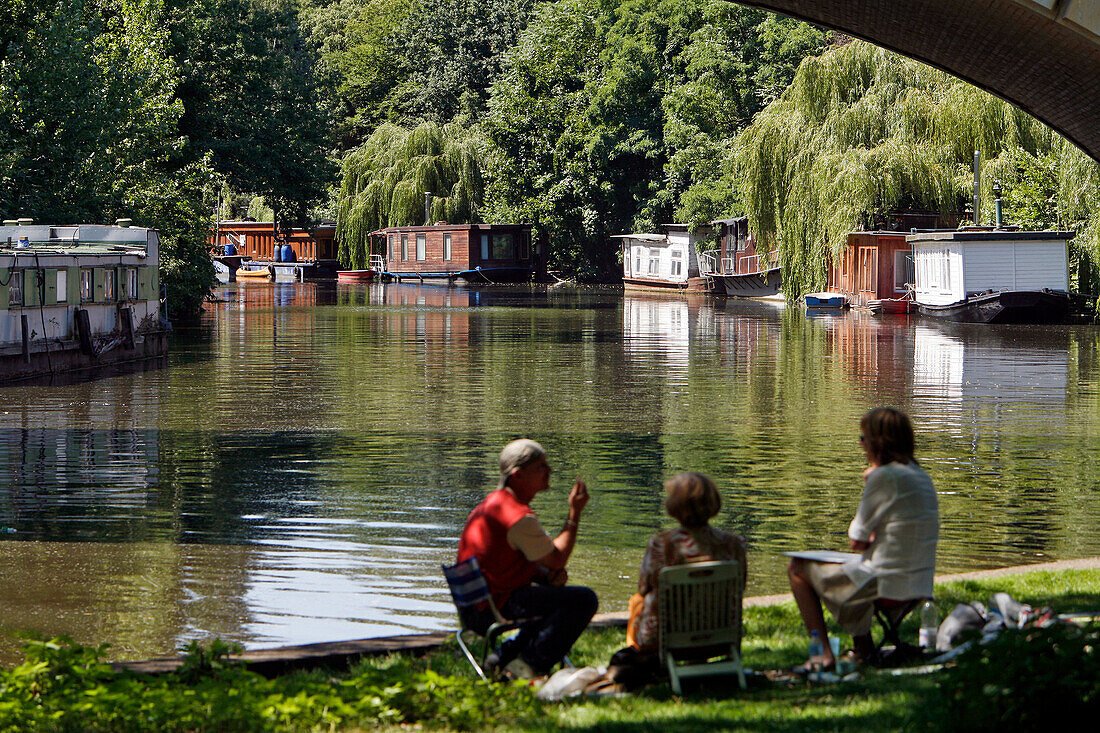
[
  {"x": 663, "y": 261},
  {"x": 287, "y": 254},
  {"x": 478, "y": 254},
  {"x": 736, "y": 268},
  {"x": 874, "y": 271},
  {"x": 987, "y": 275},
  {"x": 78, "y": 297}
]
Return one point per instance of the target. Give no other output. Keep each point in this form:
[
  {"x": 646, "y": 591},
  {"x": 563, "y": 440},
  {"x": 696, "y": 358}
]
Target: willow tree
[
  {"x": 862, "y": 132},
  {"x": 385, "y": 179}
]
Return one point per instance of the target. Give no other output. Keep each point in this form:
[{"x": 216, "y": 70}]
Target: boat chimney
[
  {"x": 123, "y": 223},
  {"x": 427, "y": 208},
  {"x": 977, "y": 184},
  {"x": 24, "y": 221},
  {"x": 997, "y": 211}
]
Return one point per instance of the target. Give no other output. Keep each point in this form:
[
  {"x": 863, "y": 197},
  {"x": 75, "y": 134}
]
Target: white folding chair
[{"x": 699, "y": 610}]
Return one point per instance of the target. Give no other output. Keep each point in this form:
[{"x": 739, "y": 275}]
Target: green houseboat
[{"x": 78, "y": 297}]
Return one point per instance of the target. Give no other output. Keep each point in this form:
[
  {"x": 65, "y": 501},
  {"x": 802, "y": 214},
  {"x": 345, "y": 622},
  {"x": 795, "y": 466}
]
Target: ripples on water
[{"x": 306, "y": 462}]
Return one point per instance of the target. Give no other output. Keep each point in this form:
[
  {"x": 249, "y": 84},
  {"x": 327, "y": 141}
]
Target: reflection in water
[{"x": 307, "y": 461}]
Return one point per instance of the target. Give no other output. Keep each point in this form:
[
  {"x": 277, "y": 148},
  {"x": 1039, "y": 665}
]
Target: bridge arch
[{"x": 1041, "y": 55}]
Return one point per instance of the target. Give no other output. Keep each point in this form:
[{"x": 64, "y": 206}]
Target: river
[{"x": 303, "y": 465}]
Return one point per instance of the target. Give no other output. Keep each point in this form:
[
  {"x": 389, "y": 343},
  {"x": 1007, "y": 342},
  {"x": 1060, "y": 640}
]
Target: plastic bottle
[
  {"x": 929, "y": 624},
  {"x": 816, "y": 649}
]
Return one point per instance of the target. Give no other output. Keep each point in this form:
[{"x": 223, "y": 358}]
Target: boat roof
[
  {"x": 985, "y": 235},
  {"x": 648, "y": 237},
  {"x": 85, "y": 238}
]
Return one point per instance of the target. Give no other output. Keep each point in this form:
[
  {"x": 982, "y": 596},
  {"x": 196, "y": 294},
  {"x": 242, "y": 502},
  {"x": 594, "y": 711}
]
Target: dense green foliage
[
  {"x": 385, "y": 180},
  {"x": 65, "y": 687},
  {"x": 1033, "y": 680},
  {"x": 1022, "y": 681},
  {"x": 141, "y": 108},
  {"x": 862, "y": 132},
  {"x": 598, "y": 115}
]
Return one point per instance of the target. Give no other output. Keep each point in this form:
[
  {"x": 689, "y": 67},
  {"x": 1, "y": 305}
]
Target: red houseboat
[
  {"x": 479, "y": 254},
  {"x": 874, "y": 270}
]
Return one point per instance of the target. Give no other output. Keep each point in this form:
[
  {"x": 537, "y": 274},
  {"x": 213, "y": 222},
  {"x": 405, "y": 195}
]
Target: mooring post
[{"x": 26, "y": 338}]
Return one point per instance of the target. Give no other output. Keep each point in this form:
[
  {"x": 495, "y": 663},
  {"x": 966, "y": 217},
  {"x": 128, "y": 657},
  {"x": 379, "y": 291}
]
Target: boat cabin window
[
  {"x": 903, "y": 270},
  {"x": 676, "y": 266},
  {"x": 637, "y": 260},
  {"x": 654, "y": 260},
  {"x": 502, "y": 247},
  {"x": 110, "y": 282},
  {"x": 484, "y": 246},
  {"x": 525, "y": 246},
  {"x": 62, "y": 295},
  {"x": 87, "y": 291},
  {"x": 132, "y": 283},
  {"x": 404, "y": 246},
  {"x": 389, "y": 247},
  {"x": 15, "y": 288},
  {"x": 446, "y": 246},
  {"x": 421, "y": 247}
]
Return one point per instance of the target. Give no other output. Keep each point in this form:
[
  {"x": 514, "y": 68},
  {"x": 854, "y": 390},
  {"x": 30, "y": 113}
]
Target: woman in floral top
[{"x": 692, "y": 499}]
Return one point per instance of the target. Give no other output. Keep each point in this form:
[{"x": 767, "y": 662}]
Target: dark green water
[{"x": 306, "y": 461}]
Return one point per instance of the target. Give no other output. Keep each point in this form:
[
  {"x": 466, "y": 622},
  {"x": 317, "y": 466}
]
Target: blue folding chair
[{"x": 469, "y": 591}]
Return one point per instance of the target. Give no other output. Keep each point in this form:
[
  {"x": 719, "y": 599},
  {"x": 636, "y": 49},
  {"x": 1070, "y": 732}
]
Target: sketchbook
[{"x": 825, "y": 556}]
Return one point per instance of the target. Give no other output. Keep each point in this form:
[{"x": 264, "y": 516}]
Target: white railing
[
  {"x": 708, "y": 263},
  {"x": 377, "y": 263}
]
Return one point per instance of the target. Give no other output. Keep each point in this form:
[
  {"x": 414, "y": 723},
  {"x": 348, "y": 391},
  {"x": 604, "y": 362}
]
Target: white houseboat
[
  {"x": 663, "y": 261},
  {"x": 985, "y": 275},
  {"x": 77, "y": 297}
]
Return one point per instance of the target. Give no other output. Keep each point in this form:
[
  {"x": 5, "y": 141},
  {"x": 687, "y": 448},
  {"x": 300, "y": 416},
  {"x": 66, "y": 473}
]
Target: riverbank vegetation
[
  {"x": 585, "y": 118},
  {"x": 1013, "y": 682}
]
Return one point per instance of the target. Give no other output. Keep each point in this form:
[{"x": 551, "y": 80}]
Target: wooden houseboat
[
  {"x": 478, "y": 254},
  {"x": 875, "y": 271},
  {"x": 78, "y": 297},
  {"x": 298, "y": 253},
  {"x": 986, "y": 275},
  {"x": 663, "y": 261},
  {"x": 736, "y": 268}
]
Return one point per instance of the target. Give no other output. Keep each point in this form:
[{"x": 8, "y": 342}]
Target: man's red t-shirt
[{"x": 486, "y": 537}]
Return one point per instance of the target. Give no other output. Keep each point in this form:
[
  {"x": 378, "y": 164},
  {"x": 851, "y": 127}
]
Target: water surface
[{"x": 305, "y": 463}]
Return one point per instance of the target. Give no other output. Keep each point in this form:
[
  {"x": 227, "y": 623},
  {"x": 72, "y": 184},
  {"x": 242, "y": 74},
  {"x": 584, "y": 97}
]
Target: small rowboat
[
  {"x": 825, "y": 300},
  {"x": 891, "y": 306},
  {"x": 260, "y": 274},
  {"x": 355, "y": 276}
]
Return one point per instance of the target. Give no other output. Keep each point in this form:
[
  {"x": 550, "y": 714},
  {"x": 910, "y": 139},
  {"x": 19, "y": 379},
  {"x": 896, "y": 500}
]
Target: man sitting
[{"x": 524, "y": 567}]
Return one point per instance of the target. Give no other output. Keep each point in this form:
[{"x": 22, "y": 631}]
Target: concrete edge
[{"x": 342, "y": 654}]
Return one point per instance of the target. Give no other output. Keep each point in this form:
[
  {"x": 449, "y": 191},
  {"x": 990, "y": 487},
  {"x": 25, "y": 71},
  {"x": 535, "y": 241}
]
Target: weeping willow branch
[
  {"x": 862, "y": 132},
  {"x": 384, "y": 181}
]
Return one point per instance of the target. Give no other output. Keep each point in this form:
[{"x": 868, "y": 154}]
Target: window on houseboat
[
  {"x": 446, "y": 246},
  {"x": 87, "y": 289},
  {"x": 404, "y": 246},
  {"x": 525, "y": 246},
  {"x": 15, "y": 288},
  {"x": 62, "y": 295},
  {"x": 676, "y": 266},
  {"x": 421, "y": 247},
  {"x": 654, "y": 260},
  {"x": 637, "y": 260},
  {"x": 389, "y": 247},
  {"x": 903, "y": 270},
  {"x": 110, "y": 278},
  {"x": 132, "y": 283},
  {"x": 502, "y": 247},
  {"x": 484, "y": 246}
]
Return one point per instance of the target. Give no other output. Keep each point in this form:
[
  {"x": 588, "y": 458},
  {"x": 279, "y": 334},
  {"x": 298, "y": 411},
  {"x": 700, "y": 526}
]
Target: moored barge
[{"x": 78, "y": 297}]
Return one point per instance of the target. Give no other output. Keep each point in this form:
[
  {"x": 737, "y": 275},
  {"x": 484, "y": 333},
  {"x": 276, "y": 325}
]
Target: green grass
[{"x": 66, "y": 688}]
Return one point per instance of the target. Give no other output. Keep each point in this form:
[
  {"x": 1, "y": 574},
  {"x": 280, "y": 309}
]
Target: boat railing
[
  {"x": 377, "y": 263},
  {"x": 708, "y": 262}
]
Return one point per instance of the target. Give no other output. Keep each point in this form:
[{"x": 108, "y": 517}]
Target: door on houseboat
[{"x": 867, "y": 275}]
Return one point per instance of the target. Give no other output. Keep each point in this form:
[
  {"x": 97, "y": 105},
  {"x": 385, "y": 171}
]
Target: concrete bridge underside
[{"x": 1041, "y": 55}]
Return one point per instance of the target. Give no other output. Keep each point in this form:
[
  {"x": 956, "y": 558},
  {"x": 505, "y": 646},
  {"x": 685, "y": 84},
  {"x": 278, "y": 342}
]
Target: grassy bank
[{"x": 66, "y": 688}]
